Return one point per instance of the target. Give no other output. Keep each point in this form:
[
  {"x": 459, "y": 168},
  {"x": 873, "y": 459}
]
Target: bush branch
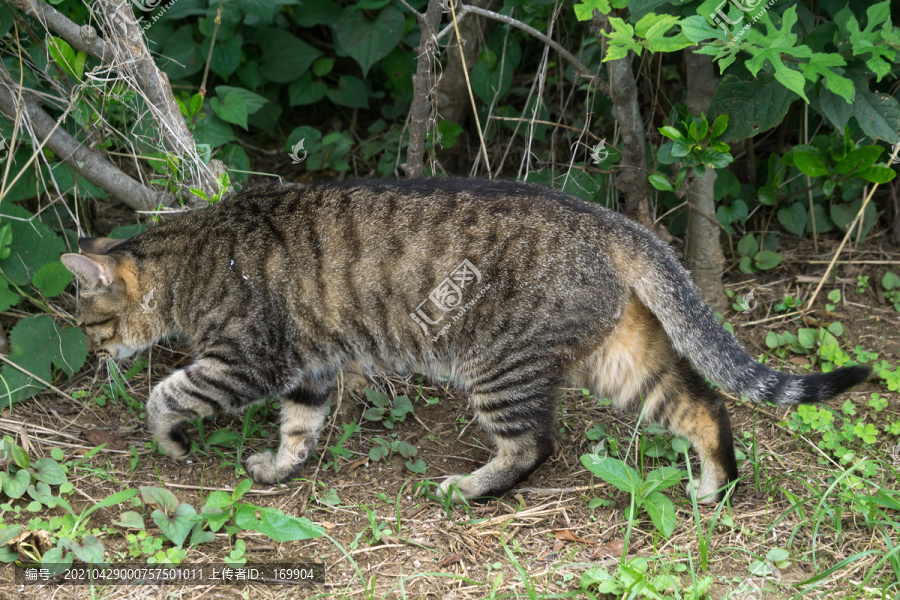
[{"x": 90, "y": 164}]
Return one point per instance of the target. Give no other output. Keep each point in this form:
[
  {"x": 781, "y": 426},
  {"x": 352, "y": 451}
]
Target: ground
[{"x": 387, "y": 539}]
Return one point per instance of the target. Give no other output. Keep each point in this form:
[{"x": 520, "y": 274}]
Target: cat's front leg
[
  {"x": 204, "y": 388},
  {"x": 302, "y": 417}
]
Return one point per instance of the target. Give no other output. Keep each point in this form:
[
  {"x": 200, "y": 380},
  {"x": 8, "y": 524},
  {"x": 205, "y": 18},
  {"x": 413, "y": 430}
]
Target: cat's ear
[
  {"x": 93, "y": 271},
  {"x": 97, "y": 245}
]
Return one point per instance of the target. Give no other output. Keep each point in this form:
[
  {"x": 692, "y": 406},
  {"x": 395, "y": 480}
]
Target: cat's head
[{"x": 118, "y": 306}]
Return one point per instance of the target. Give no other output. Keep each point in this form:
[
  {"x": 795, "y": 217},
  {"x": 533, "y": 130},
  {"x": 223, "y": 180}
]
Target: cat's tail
[{"x": 659, "y": 280}]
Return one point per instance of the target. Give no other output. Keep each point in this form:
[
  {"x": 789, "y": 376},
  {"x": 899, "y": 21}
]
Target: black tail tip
[{"x": 839, "y": 380}]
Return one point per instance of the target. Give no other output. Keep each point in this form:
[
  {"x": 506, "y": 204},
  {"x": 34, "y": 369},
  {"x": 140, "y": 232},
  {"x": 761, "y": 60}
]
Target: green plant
[
  {"x": 384, "y": 448},
  {"x": 754, "y": 259},
  {"x": 338, "y": 450},
  {"x": 645, "y": 491},
  {"x": 385, "y": 411},
  {"x": 19, "y": 475},
  {"x": 226, "y": 510},
  {"x": 695, "y": 146},
  {"x": 862, "y": 283},
  {"x": 891, "y": 284}
]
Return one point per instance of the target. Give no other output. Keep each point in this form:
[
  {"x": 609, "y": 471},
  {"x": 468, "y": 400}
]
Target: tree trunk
[
  {"x": 420, "y": 109},
  {"x": 452, "y": 94},
  {"x": 631, "y": 176},
  {"x": 703, "y": 252}
]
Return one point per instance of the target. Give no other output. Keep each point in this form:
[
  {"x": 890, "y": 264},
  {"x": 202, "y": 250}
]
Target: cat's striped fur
[{"x": 281, "y": 286}]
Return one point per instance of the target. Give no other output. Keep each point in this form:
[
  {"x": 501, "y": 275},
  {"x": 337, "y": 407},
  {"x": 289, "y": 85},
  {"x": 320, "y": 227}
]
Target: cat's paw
[
  {"x": 694, "y": 490},
  {"x": 174, "y": 442},
  {"x": 459, "y": 488},
  {"x": 261, "y": 468}
]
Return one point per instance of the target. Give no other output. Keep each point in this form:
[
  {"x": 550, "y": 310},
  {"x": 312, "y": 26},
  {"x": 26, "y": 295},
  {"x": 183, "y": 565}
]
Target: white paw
[
  {"x": 459, "y": 492},
  {"x": 694, "y": 490},
  {"x": 261, "y": 468}
]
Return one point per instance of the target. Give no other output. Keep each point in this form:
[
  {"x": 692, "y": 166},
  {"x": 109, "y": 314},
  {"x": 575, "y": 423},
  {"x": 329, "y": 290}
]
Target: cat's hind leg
[
  {"x": 697, "y": 412},
  {"x": 302, "y": 418}
]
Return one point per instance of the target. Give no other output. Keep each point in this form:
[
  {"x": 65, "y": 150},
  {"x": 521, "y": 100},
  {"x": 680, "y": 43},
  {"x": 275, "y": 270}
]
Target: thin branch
[
  {"x": 858, "y": 219},
  {"x": 583, "y": 71},
  {"x": 91, "y": 165},
  {"x": 81, "y": 38}
]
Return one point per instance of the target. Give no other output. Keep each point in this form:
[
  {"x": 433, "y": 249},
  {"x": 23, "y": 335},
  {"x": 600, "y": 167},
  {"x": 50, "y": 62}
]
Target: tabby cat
[{"x": 510, "y": 289}]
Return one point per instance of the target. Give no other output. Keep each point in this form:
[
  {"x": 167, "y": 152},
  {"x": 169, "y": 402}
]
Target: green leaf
[
  {"x": 719, "y": 127},
  {"x": 378, "y": 452},
  {"x": 159, "y": 497},
  {"x": 752, "y": 107},
  {"x": 306, "y": 91},
  {"x": 6, "y": 535},
  {"x": 661, "y": 479},
  {"x": 820, "y": 65},
  {"x": 836, "y": 329},
  {"x": 858, "y": 160},
  {"x": 368, "y": 41},
  {"x": 748, "y": 246},
  {"x": 252, "y": 101},
  {"x": 809, "y": 163},
  {"x": 200, "y": 536},
  {"x": 585, "y": 11},
  {"x": 323, "y": 66},
  {"x": 808, "y": 337},
  {"x": 823, "y": 221},
  {"x": 331, "y": 498},
  {"x": 230, "y": 109},
  {"x": 416, "y": 467},
  {"x": 697, "y": 29},
  {"x": 52, "y": 279},
  {"x": 890, "y": 281},
  {"x": 219, "y": 499},
  {"x": 36, "y": 245},
  {"x": 175, "y": 525},
  {"x": 671, "y": 132},
  {"x": 374, "y": 413},
  {"x": 766, "y": 196},
  {"x": 90, "y": 551},
  {"x": 766, "y": 259},
  {"x": 351, "y": 91},
  {"x": 843, "y": 215},
  {"x": 48, "y": 470},
  {"x": 5, "y": 241},
  {"x": 877, "y": 174},
  {"x": 41, "y": 493},
  {"x": 55, "y": 561},
  {"x": 661, "y": 182},
  {"x": 130, "y": 520},
  {"x": 621, "y": 40},
  {"x": 402, "y": 407},
  {"x": 242, "y": 488},
  {"x": 662, "y": 513},
  {"x": 407, "y": 450},
  {"x": 614, "y": 472},
  {"x": 18, "y": 454},
  {"x": 275, "y": 524},
  {"x": 794, "y": 218},
  {"x": 17, "y": 485},
  {"x": 181, "y": 56},
  {"x": 284, "y": 56},
  {"x": 878, "y": 114},
  {"x": 36, "y": 344}
]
